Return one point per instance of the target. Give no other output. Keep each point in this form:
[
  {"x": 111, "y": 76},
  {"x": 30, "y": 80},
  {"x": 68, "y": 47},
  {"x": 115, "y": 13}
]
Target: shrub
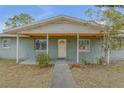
[
  {"x": 1, "y": 58},
  {"x": 74, "y": 66},
  {"x": 83, "y": 61},
  {"x": 43, "y": 59},
  {"x": 99, "y": 61}
]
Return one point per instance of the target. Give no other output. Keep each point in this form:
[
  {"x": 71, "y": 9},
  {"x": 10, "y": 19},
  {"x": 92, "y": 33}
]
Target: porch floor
[
  {"x": 32, "y": 61},
  {"x": 62, "y": 62},
  {"x": 28, "y": 61}
]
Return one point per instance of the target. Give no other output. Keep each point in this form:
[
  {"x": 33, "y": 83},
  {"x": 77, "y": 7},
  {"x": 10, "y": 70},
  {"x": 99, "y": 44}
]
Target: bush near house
[
  {"x": 83, "y": 61},
  {"x": 99, "y": 61},
  {"x": 43, "y": 59},
  {"x": 86, "y": 62}
]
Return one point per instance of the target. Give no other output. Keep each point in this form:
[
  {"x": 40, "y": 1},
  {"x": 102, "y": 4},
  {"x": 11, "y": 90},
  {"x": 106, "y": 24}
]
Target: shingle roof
[{"x": 48, "y": 20}]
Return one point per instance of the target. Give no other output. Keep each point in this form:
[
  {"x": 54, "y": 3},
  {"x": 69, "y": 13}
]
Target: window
[
  {"x": 6, "y": 43},
  {"x": 84, "y": 45},
  {"x": 40, "y": 44}
]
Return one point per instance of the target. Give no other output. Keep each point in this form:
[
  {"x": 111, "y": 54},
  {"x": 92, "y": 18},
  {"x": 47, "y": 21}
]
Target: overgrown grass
[
  {"x": 14, "y": 75},
  {"x": 103, "y": 76}
]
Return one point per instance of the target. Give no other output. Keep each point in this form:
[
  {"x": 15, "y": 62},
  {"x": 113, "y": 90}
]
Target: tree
[
  {"x": 113, "y": 22},
  {"x": 19, "y": 20}
]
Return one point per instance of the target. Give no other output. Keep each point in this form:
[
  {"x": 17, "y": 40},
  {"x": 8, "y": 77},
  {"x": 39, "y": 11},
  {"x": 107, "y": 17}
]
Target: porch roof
[{"x": 60, "y": 34}]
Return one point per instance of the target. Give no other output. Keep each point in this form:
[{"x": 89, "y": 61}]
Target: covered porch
[{"x": 71, "y": 53}]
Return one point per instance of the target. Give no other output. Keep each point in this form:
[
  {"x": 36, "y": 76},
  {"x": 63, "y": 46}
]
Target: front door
[{"x": 62, "y": 48}]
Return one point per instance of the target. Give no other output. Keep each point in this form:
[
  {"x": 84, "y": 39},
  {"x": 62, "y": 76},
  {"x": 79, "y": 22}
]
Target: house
[{"x": 61, "y": 37}]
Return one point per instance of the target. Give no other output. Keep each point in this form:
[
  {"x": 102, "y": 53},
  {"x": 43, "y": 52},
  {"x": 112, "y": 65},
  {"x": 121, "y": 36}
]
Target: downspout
[
  {"x": 17, "y": 48},
  {"x": 77, "y": 48}
]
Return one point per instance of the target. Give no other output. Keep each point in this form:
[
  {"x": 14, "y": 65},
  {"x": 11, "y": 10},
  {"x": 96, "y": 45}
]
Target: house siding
[
  {"x": 71, "y": 47},
  {"x": 64, "y": 27},
  {"x": 95, "y": 50},
  {"x": 10, "y": 53},
  {"x": 27, "y": 51},
  {"x": 118, "y": 54}
]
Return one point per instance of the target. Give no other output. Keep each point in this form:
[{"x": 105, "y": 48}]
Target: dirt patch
[
  {"x": 18, "y": 75},
  {"x": 91, "y": 76}
]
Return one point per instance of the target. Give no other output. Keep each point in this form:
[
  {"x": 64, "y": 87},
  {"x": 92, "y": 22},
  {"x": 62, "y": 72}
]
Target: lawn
[
  {"x": 99, "y": 76},
  {"x": 14, "y": 75}
]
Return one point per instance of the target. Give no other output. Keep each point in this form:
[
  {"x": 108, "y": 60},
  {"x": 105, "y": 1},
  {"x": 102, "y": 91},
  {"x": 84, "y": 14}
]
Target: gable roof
[{"x": 45, "y": 21}]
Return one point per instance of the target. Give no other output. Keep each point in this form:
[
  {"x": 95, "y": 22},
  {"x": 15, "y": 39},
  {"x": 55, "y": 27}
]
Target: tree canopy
[
  {"x": 113, "y": 21},
  {"x": 19, "y": 20}
]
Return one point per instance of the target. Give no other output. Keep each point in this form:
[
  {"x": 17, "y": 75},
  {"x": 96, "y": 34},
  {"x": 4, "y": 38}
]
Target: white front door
[{"x": 62, "y": 48}]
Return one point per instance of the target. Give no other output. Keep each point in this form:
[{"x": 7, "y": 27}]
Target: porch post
[
  {"x": 108, "y": 56},
  {"x": 17, "y": 48},
  {"x": 47, "y": 44},
  {"x": 77, "y": 48}
]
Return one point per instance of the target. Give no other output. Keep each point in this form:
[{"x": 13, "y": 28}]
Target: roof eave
[{"x": 12, "y": 35}]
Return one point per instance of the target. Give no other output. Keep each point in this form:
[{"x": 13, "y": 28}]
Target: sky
[{"x": 43, "y": 11}]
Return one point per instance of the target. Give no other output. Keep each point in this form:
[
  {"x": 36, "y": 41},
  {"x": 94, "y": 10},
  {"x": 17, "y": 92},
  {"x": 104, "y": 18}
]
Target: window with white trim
[
  {"x": 84, "y": 45},
  {"x": 40, "y": 44},
  {"x": 5, "y": 43}
]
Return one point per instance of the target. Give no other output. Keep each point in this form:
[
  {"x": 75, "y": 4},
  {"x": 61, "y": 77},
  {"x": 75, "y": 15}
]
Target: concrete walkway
[
  {"x": 28, "y": 61},
  {"x": 62, "y": 62},
  {"x": 62, "y": 77}
]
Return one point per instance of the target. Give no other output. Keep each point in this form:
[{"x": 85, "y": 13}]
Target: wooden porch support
[
  {"x": 17, "y": 49},
  {"x": 47, "y": 44},
  {"x": 77, "y": 48}
]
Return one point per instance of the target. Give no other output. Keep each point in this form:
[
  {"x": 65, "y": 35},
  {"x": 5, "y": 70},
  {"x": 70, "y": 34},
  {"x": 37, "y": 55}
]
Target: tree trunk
[
  {"x": 108, "y": 56},
  {"x": 105, "y": 49}
]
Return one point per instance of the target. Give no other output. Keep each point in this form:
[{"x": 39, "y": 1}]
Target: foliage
[
  {"x": 74, "y": 66},
  {"x": 83, "y": 61},
  {"x": 19, "y": 20},
  {"x": 43, "y": 59},
  {"x": 116, "y": 44},
  {"x": 99, "y": 61},
  {"x": 111, "y": 6},
  {"x": 112, "y": 20}
]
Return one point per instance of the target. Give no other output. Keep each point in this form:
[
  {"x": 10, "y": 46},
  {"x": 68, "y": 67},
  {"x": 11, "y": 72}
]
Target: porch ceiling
[{"x": 61, "y": 34}]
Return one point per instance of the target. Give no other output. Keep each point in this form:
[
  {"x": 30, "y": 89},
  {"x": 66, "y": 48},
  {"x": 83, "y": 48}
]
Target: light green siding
[
  {"x": 10, "y": 53},
  {"x": 71, "y": 47},
  {"x": 118, "y": 54},
  {"x": 95, "y": 51},
  {"x": 27, "y": 51}
]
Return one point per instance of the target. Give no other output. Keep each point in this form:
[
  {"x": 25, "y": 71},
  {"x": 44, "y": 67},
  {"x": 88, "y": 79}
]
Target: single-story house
[{"x": 61, "y": 37}]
